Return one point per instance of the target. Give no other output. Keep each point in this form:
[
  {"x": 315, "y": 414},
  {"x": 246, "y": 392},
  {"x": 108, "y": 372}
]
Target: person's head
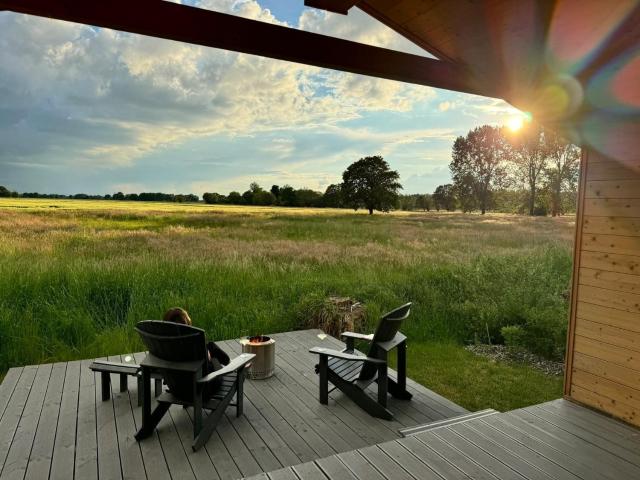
[{"x": 177, "y": 315}]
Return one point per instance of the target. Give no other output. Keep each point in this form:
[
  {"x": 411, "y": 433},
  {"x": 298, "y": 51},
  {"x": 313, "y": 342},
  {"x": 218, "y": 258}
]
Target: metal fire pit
[{"x": 263, "y": 365}]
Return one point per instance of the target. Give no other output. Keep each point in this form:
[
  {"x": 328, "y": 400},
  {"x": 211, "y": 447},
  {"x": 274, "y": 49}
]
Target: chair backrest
[
  {"x": 175, "y": 342},
  {"x": 386, "y": 331}
]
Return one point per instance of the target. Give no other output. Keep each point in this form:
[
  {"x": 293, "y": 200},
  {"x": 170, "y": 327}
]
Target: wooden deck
[
  {"x": 555, "y": 440},
  {"x": 54, "y": 425}
]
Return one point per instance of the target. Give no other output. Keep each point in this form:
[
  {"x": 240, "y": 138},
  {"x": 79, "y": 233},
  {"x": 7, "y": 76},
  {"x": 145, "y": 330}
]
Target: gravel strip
[{"x": 506, "y": 354}]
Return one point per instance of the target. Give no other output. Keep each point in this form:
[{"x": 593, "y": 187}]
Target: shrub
[{"x": 513, "y": 336}]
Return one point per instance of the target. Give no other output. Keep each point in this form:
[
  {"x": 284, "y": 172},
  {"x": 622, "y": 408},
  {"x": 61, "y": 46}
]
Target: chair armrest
[
  {"x": 357, "y": 336},
  {"x": 345, "y": 356},
  {"x": 236, "y": 364}
]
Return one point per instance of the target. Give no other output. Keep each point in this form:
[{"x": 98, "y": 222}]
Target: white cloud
[
  {"x": 444, "y": 106},
  {"x": 78, "y": 95}
]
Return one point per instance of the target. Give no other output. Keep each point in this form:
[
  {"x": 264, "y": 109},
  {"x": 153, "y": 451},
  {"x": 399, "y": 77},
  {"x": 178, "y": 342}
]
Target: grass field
[{"x": 75, "y": 276}]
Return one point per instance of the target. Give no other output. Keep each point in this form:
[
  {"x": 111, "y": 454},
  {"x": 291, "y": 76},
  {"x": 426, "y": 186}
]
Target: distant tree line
[
  {"x": 142, "y": 197},
  {"x": 368, "y": 183}
]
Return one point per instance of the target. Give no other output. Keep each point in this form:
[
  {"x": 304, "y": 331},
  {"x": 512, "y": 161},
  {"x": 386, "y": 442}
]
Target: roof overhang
[{"x": 158, "y": 18}]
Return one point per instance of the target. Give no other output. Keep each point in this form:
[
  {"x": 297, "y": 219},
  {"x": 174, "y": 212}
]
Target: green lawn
[{"x": 475, "y": 382}]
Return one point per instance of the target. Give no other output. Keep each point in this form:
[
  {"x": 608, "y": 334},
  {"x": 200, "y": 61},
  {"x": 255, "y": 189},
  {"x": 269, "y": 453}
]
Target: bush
[{"x": 513, "y": 336}]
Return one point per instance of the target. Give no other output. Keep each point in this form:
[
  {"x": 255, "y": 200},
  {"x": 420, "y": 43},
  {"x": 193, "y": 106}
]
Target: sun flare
[{"x": 515, "y": 123}]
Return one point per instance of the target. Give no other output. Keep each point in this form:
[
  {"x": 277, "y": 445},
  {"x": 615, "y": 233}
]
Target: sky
[{"x": 88, "y": 110}]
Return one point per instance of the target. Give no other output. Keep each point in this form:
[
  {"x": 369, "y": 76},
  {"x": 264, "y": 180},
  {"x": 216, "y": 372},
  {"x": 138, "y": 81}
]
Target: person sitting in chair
[{"x": 216, "y": 357}]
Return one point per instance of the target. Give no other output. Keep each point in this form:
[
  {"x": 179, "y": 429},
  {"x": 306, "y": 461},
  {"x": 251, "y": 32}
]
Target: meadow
[{"x": 75, "y": 277}]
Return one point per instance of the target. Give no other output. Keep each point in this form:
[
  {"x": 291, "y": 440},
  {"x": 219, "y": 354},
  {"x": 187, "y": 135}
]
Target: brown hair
[{"x": 177, "y": 315}]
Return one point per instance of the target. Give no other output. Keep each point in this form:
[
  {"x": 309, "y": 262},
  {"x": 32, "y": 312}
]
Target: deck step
[{"x": 447, "y": 422}]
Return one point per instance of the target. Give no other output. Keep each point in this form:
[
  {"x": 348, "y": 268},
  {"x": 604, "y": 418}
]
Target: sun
[{"x": 515, "y": 123}]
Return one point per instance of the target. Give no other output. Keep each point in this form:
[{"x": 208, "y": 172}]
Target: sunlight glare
[{"x": 515, "y": 123}]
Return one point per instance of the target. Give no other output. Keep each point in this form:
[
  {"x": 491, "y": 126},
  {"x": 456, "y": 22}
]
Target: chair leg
[
  {"x": 140, "y": 388},
  {"x": 105, "y": 380},
  {"x": 323, "y": 369},
  {"x": 158, "y": 386},
  {"x": 197, "y": 409},
  {"x": 361, "y": 398},
  {"x": 153, "y": 421},
  {"x": 240, "y": 393},
  {"x": 382, "y": 385},
  {"x": 123, "y": 382},
  {"x": 211, "y": 423}
]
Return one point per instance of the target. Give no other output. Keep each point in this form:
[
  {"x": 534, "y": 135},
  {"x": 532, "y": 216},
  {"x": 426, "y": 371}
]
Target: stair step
[{"x": 447, "y": 422}]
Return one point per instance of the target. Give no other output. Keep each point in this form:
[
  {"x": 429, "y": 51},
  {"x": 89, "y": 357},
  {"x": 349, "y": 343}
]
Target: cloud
[
  {"x": 77, "y": 95},
  {"x": 444, "y": 106}
]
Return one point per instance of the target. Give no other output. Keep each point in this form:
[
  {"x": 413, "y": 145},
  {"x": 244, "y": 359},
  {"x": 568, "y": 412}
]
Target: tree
[
  {"x": 332, "y": 197},
  {"x": 305, "y": 197},
  {"x": 4, "y": 192},
  {"x": 478, "y": 163},
  {"x": 562, "y": 171},
  {"x": 288, "y": 196},
  {"x": 371, "y": 184},
  {"x": 275, "y": 190},
  {"x": 234, "y": 198},
  {"x": 424, "y": 202},
  {"x": 529, "y": 159},
  {"x": 444, "y": 197},
  {"x": 263, "y": 198},
  {"x": 213, "y": 198}
]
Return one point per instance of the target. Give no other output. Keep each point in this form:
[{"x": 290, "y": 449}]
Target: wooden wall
[{"x": 603, "y": 348}]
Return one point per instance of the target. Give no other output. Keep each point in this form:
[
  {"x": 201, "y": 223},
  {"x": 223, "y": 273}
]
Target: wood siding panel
[
  {"x": 608, "y": 334},
  {"x": 625, "y": 226},
  {"x": 603, "y": 348}
]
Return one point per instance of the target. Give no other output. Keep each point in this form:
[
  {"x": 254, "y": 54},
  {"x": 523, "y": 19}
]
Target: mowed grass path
[{"x": 75, "y": 277}]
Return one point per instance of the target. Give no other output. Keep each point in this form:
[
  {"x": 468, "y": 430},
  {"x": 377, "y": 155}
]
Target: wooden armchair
[
  {"x": 352, "y": 371},
  {"x": 179, "y": 354}
]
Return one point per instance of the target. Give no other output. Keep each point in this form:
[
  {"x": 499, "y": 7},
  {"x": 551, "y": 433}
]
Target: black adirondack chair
[
  {"x": 352, "y": 372},
  {"x": 179, "y": 353}
]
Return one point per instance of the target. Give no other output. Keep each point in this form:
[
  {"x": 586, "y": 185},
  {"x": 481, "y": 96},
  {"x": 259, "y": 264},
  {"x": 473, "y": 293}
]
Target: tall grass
[{"x": 73, "y": 282}]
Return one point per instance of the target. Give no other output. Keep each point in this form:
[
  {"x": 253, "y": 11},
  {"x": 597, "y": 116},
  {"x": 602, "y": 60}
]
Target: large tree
[
  {"x": 478, "y": 163},
  {"x": 444, "y": 197},
  {"x": 371, "y": 184},
  {"x": 528, "y": 155},
  {"x": 562, "y": 170}
]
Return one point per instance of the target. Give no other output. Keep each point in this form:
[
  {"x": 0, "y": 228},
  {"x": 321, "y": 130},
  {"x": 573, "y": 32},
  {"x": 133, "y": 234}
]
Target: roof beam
[
  {"x": 183, "y": 23},
  {"x": 335, "y": 6}
]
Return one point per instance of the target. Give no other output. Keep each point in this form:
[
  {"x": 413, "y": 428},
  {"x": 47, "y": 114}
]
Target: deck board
[{"x": 54, "y": 424}]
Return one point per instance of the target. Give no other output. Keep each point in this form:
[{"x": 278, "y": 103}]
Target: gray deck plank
[
  {"x": 332, "y": 429},
  {"x": 405, "y": 460},
  {"x": 383, "y": 463},
  {"x": 17, "y": 459},
  {"x": 359, "y": 466},
  {"x": 594, "y": 452},
  {"x": 7, "y": 387},
  {"x": 613, "y": 430},
  {"x": 201, "y": 464},
  {"x": 290, "y": 410},
  {"x": 309, "y": 471},
  {"x": 63, "y": 461},
  {"x": 551, "y": 453},
  {"x": 522, "y": 467},
  {"x": 332, "y": 467},
  {"x": 42, "y": 449},
  {"x": 13, "y": 412},
  {"x": 246, "y": 462},
  {"x": 107, "y": 440},
  {"x": 283, "y": 474},
  {"x": 618, "y": 445},
  {"x": 130, "y": 454},
  {"x": 86, "y": 464},
  {"x": 167, "y": 437},
  {"x": 155, "y": 465},
  {"x": 437, "y": 463},
  {"x": 340, "y": 420},
  {"x": 508, "y": 444}
]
